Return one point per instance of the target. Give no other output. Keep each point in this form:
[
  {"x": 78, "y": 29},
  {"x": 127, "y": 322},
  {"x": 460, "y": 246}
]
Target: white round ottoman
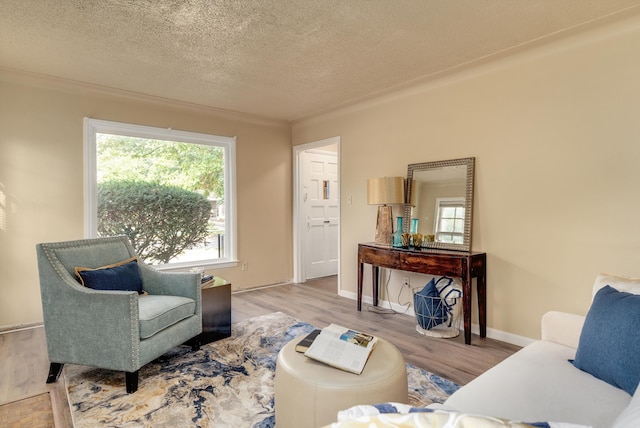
[{"x": 310, "y": 394}]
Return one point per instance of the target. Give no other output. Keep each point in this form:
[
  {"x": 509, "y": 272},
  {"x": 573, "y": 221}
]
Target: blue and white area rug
[{"x": 228, "y": 383}]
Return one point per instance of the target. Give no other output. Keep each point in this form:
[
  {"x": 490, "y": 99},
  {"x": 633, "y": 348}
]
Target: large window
[{"x": 171, "y": 192}]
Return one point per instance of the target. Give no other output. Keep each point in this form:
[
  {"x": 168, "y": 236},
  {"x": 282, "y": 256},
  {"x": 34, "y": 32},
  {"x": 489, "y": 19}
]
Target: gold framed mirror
[{"x": 439, "y": 203}]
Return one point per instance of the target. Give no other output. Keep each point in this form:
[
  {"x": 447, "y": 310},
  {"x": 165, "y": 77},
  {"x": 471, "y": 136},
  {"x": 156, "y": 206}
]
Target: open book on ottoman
[{"x": 342, "y": 348}]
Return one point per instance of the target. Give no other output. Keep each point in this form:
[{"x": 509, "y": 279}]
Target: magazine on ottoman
[{"x": 342, "y": 348}]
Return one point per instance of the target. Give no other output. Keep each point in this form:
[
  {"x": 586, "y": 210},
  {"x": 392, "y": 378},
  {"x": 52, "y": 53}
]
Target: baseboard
[
  {"x": 492, "y": 333},
  {"x": 504, "y": 336},
  {"x": 19, "y": 327}
]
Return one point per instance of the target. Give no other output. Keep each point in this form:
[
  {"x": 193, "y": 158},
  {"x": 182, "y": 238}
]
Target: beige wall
[
  {"x": 41, "y": 181},
  {"x": 556, "y": 137}
]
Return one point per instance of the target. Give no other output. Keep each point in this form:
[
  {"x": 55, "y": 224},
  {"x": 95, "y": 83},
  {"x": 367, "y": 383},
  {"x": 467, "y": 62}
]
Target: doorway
[{"x": 316, "y": 202}]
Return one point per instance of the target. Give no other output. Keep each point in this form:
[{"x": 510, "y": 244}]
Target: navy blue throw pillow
[
  {"x": 122, "y": 276},
  {"x": 609, "y": 342}
]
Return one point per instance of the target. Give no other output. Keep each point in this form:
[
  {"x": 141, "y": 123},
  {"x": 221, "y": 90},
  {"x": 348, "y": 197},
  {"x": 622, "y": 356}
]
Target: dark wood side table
[
  {"x": 459, "y": 264},
  {"x": 216, "y": 311}
]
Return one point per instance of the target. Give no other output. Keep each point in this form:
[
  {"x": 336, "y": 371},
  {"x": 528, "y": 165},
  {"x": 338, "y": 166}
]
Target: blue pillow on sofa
[
  {"x": 609, "y": 346},
  {"x": 123, "y": 276}
]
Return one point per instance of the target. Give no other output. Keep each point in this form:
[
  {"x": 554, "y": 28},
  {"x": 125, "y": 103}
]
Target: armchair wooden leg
[
  {"x": 195, "y": 344},
  {"x": 132, "y": 381},
  {"x": 54, "y": 372}
]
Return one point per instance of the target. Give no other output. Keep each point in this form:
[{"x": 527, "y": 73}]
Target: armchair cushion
[
  {"x": 609, "y": 344},
  {"x": 156, "y": 313},
  {"x": 122, "y": 276}
]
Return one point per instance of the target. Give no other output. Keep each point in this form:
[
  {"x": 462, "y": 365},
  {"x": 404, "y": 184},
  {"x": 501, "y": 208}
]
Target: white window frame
[
  {"x": 439, "y": 205},
  {"x": 92, "y": 127}
]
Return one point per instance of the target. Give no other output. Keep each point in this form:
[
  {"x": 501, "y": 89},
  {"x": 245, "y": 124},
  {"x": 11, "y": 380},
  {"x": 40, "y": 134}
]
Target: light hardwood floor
[{"x": 24, "y": 365}]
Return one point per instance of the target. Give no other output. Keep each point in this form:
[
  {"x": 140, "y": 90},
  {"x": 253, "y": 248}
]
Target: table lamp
[{"x": 382, "y": 191}]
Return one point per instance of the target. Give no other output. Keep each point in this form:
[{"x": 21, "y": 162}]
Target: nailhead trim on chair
[
  {"x": 60, "y": 269},
  {"x": 135, "y": 355}
]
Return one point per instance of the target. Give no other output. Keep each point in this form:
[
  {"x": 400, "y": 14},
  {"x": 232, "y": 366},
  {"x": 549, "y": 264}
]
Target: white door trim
[{"x": 298, "y": 253}]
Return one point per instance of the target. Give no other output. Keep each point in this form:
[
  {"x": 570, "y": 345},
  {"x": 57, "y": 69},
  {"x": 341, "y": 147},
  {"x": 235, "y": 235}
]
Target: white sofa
[{"x": 540, "y": 384}]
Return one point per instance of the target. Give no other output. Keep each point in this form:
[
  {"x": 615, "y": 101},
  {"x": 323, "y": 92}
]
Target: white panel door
[{"x": 320, "y": 199}]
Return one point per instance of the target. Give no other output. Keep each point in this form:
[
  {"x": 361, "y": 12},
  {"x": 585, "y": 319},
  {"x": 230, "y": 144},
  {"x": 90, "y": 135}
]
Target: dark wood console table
[{"x": 459, "y": 264}]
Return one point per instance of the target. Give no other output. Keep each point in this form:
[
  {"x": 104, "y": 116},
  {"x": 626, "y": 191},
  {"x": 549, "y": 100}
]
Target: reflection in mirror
[{"x": 440, "y": 203}]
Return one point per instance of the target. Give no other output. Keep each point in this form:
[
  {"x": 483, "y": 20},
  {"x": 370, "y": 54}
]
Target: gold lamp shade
[
  {"x": 382, "y": 191},
  {"x": 385, "y": 190}
]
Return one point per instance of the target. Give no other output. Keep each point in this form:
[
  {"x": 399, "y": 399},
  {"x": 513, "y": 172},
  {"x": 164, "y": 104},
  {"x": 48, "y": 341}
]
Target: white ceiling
[{"x": 280, "y": 59}]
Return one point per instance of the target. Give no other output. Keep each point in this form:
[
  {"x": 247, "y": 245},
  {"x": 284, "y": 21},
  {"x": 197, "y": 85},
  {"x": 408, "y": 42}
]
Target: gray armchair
[{"x": 116, "y": 330}]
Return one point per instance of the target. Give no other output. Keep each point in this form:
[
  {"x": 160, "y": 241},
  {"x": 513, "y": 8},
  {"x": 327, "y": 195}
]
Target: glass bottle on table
[
  {"x": 414, "y": 226},
  {"x": 397, "y": 235}
]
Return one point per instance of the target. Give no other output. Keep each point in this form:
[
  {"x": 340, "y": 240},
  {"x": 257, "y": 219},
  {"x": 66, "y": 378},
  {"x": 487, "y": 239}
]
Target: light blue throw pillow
[{"x": 609, "y": 346}]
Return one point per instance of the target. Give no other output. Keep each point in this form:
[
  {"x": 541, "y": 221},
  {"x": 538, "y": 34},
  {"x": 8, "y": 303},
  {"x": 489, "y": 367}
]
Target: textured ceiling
[{"x": 282, "y": 59}]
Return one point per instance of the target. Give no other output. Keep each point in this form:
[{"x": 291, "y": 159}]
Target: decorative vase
[
  {"x": 397, "y": 235},
  {"x": 414, "y": 226}
]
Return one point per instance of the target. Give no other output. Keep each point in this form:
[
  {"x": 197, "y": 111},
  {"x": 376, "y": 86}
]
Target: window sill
[{"x": 206, "y": 264}]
